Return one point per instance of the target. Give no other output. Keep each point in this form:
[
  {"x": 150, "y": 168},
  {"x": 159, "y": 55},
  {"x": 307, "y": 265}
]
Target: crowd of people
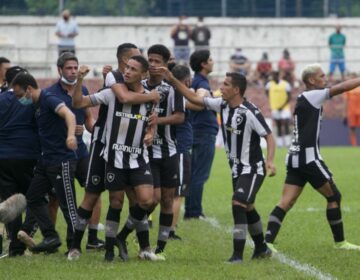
[{"x": 153, "y": 142}]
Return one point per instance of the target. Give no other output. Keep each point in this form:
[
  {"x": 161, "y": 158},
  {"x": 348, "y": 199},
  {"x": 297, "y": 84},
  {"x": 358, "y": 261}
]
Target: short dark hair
[
  {"x": 198, "y": 57},
  {"x": 23, "y": 80},
  {"x": 3, "y": 60},
  {"x": 144, "y": 63},
  {"x": 238, "y": 80},
  {"x": 160, "y": 50},
  {"x": 66, "y": 56},
  {"x": 124, "y": 48},
  {"x": 12, "y": 72},
  {"x": 181, "y": 72}
]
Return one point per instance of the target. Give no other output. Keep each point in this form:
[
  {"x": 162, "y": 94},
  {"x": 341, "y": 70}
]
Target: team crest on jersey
[
  {"x": 95, "y": 179},
  {"x": 162, "y": 90},
  {"x": 110, "y": 177},
  {"x": 239, "y": 119}
]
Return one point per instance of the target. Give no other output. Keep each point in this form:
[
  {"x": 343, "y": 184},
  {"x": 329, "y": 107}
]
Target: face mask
[
  {"x": 65, "y": 81},
  {"x": 25, "y": 100}
]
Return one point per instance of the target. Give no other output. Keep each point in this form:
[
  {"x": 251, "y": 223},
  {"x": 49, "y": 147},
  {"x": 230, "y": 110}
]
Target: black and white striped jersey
[
  {"x": 125, "y": 131},
  {"x": 242, "y": 128},
  {"x": 164, "y": 144},
  {"x": 307, "y": 119}
]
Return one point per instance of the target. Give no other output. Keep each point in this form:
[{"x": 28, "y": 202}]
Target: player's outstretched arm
[
  {"x": 70, "y": 120},
  {"x": 130, "y": 97},
  {"x": 78, "y": 99},
  {"x": 270, "y": 146},
  {"x": 344, "y": 86},
  {"x": 180, "y": 87}
]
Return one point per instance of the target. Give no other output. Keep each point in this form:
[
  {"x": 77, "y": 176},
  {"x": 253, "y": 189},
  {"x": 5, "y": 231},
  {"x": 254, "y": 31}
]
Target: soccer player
[
  {"x": 55, "y": 169},
  {"x": 163, "y": 153},
  {"x": 278, "y": 92},
  {"x": 205, "y": 129},
  {"x": 19, "y": 152},
  {"x": 304, "y": 162},
  {"x": 242, "y": 125},
  {"x": 184, "y": 139},
  {"x": 95, "y": 178},
  {"x": 64, "y": 88},
  {"x": 125, "y": 154}
]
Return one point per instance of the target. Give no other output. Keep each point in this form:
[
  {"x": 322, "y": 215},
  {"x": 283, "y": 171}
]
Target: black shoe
[
  {"x": 265, "y": 253},
  {"x": 123, "y": 252},
  {"x": 49, "y": 245},
  {"x": 97, "y": 244},
  {"x": 234, "y": 259},
  {"x": 109, "y": 256},
  {"x": 174, "y": 236}
]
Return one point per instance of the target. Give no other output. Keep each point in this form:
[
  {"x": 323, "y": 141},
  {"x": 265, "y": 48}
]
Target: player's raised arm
[
  {"x": 79, "y": 100},
  {"x": 344, "y": 86}
]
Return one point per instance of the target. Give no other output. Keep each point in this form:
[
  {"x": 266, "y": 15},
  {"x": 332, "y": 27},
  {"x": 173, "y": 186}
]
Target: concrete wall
[{"x": 31, "y": 40}]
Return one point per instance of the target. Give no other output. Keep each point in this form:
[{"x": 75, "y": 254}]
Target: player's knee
[
  {"x": 167, "y": 202},
  {"x": 239, "y": 199},
  {"x": 336, "y": 197},
  {"x": 147, "y": 203}
]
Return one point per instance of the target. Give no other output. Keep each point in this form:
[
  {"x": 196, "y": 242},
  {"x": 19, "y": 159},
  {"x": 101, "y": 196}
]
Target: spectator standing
[
  {"x": 337, "y": 43},
  {"x": 66, "y": 30},
  {"x": 239, "y": 63},
  {"x": 263, "y": 68},
  {"x": 201, "y": 35},
  {"x": 352, "y": 112},
  {"x": 286, "y": 68},
  {"x": 181, "y": 33}
]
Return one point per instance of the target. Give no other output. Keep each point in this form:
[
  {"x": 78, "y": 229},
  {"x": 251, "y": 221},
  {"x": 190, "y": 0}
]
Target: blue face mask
[{"x": 25, "y": 100}]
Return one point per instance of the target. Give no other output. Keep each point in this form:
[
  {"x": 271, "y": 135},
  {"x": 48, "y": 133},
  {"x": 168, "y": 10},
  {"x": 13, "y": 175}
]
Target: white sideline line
[
  {"x": 306, "y": 268},
  {"x": 312, "y": 209}
]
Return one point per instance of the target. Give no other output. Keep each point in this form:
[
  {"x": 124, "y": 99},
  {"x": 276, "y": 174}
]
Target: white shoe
[
  {"x": 147, "y": 255},
  {"x": 74, "y": 254}
]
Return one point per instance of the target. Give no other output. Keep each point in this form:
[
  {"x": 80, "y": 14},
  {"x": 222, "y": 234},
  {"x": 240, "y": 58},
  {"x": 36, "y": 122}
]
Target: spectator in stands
[
  {"x": 286, "y": 68},
  {"x": 337, "y": 43},
  {"x": 181, "y": 33},
  {"x": 66, "y": 30},
  {"x": 201, "y": 35},
  {"x": 4, "y": 66},
  {"x": 263, "y": 68},
  {"x": 352, "y": 111},
  {"x": 239, "y": 63}
]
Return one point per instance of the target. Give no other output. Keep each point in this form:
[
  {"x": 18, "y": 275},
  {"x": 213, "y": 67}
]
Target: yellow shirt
[{"x": 278, "y": 94}]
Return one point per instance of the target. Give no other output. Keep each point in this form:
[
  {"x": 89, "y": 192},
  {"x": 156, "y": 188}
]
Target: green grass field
[{"x": 305, "y": 242}]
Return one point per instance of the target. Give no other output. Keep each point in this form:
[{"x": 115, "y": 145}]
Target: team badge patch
[
  {"x": 239, "y": 119},
  {"x": 95, "y": 180},
  {"x": 110, "y": 177}
]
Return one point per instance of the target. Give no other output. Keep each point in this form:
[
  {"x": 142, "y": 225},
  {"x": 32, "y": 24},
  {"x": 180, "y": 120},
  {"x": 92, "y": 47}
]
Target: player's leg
[{"x": 292, "y": 189}]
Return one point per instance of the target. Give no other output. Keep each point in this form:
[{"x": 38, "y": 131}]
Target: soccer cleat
[
  {"x": 234, "y": 259},
  {"x": 174, "y": 236},
  {"x": 344, "y": 245},
  {"x": 74, "y": 254},
  {"x": 262, "y": 254},
  {"x": 98, "y": 244},
  {"x": 109, "y": 256},
  {"x": 161, "y": 256},
  {"x": 147, "y": 255},
  {"x": 123, "y": 252},
  {"x": 26, "y": 239},
  {"x": 48, "y": 245},
  {"x": 272, "y": 248},
  {"x": 12, "y": 207}
]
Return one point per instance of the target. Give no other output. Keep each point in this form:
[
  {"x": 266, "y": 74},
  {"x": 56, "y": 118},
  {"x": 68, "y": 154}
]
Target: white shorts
[{"x": 281, "y": 114}]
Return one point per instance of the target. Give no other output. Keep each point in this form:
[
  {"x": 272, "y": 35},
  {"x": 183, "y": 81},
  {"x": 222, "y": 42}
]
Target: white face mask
[{"x": 67, "y": 82}]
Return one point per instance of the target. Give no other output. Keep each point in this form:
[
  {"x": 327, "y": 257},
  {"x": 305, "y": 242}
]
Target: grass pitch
[{"x": 305, "y": 240}]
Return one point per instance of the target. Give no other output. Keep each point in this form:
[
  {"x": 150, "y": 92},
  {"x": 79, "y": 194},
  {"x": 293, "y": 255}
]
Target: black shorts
[
  {"x": 184, "y": 174},
  {"x": 315, "y": 172},
  {"x": 96, "y": 169},
  {"x": 82, "y": 170},
  {"x": 119, "y": 179},
  {"x": 246, "y": 186},
  {"x": 165, "y": 172}
]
